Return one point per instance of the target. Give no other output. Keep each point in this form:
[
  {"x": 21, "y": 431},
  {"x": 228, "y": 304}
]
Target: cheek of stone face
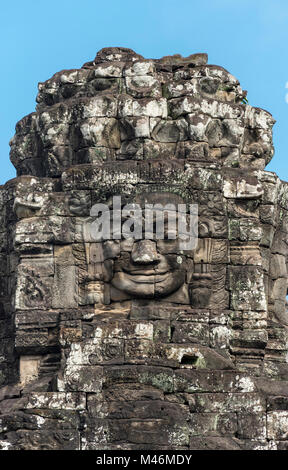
[
  {"x": 170, "y": 284},
  {"x": 122, "y": 262},
  {"x": 168, "y": 246},
  {"x": 176, "y": 261}
]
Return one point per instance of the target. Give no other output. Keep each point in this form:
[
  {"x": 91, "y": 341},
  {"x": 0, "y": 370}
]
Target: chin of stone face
[{"x": 143, "y": 264}]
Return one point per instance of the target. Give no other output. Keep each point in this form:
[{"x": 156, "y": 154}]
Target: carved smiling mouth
[
  {"x": 148, "y": 277},
  {"x": 146, "y": 282}
]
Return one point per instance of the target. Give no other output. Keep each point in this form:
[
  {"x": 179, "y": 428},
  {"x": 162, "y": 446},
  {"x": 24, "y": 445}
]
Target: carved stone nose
[{"x": 144, "y": 252}]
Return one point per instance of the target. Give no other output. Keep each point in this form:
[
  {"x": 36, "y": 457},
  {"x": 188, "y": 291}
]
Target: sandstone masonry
[{"x": 135, "y": 344}]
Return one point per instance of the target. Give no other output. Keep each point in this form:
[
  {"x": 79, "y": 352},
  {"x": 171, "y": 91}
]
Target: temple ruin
[{"x": 136, "y": 343}]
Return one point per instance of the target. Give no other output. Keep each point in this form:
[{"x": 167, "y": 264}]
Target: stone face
[{"x": 138, "y": 341}]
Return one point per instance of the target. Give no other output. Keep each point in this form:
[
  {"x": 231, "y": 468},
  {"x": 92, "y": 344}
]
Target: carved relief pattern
[{"x": 137, "y": 343}]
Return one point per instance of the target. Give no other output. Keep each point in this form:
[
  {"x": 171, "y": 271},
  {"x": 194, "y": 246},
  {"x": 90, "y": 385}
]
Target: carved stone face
[
  {"x": 151, "y": 267},
  {"x": 148, "y": 273}
]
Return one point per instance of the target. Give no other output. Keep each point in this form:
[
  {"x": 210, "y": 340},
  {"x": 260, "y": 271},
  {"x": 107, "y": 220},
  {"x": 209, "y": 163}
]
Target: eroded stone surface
[{"x": 139, "y": 344}]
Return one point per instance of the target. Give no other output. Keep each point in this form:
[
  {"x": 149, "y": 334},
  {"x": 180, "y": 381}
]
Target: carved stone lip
[
  {"x": 148, "y": 278},
  {"x": 145, "y": 272}
]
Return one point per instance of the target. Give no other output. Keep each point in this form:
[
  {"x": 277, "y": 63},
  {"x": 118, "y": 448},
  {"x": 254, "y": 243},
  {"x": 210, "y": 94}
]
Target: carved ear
[
  {"x": 200, "y": 290},
  {"x": 203, "y": 252},
  {"x": 205, "y": 227}
]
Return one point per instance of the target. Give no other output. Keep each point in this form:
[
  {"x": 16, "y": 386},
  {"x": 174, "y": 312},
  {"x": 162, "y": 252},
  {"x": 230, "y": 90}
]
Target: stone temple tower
[{"x": 128, "y": 343}]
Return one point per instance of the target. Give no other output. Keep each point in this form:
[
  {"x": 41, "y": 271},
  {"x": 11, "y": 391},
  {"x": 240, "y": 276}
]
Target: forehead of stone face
[
  {"x": 162, "y": 198},
  {"x": 144, "y": 198}
]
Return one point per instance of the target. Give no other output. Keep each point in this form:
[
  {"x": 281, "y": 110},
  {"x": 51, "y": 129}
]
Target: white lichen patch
[
  {"x": 5, "y": 445},
  {"x": 56, "y": 401},
  {"x": 144, "y": 330},
  {"x": 245, "y": 384}
]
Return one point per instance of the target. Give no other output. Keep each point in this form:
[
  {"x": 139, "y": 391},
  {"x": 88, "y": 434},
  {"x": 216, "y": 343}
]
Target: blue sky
[{"x": 248, "y": 37}]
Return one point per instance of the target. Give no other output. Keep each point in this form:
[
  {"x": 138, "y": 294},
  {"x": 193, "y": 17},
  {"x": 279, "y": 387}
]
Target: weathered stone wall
[{"x": 102, "y": 349}]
